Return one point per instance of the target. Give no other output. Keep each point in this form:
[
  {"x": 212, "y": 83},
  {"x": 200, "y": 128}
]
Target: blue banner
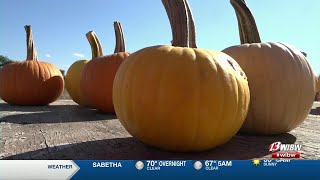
[
  {"x": 159, "y": 169},
  {"x": 202, "y": 169}
]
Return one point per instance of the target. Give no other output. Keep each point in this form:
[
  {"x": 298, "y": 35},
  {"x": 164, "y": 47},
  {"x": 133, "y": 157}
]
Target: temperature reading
[
  {"x": 209, "y": 163},
  {"x": 151, "y": 163}
]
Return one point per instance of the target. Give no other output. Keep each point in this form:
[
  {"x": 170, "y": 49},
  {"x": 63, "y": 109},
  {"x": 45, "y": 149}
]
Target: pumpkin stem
[
  {"x": 192, "y": 29},
  {"x": 31, "y": 49},
  {"x": 181, "y": 21},
  {"x": 120, "y": 44},
  {"x": 96, "y": 47},
  {"x": 248, "y": 29}
]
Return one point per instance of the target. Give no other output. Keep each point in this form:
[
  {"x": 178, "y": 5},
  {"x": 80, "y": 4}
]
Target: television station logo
[{"x": 280, "y": 150}]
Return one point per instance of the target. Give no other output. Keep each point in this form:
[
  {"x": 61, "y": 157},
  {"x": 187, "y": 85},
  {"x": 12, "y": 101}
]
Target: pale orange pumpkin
[
  {"x": 179, "y": 97},
  {"x": 31, "y": 82},
  {"x": 98, "y": 74},
  {"x": 281, "y": 81}
]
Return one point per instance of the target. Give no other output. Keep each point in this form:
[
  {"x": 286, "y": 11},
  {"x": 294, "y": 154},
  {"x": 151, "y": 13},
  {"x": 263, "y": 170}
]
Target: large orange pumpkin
[
  {"x": 181, "y": 98},
  {"x": 281, "y": 81},
  {"x": 30, "y": 82},
  {"x": 98, "y": 75}
]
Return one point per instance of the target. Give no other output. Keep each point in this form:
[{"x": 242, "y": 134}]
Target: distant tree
[
  {"x": 4, "y": 60},
  {"x": 63, "y": 72}
]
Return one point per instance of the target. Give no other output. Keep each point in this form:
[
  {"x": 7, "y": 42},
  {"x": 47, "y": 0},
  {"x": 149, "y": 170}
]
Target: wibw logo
[
  {"x": 278, "y": 146},
  {"x": 288, "y": 150}
]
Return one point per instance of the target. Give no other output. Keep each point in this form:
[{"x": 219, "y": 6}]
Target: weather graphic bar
[{"x": 100, "y": 169}]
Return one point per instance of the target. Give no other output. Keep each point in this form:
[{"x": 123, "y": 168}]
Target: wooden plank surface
[{"x": 64, "y": 130}]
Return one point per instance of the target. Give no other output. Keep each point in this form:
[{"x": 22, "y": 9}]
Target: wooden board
[{"x": 64, "y": 130}]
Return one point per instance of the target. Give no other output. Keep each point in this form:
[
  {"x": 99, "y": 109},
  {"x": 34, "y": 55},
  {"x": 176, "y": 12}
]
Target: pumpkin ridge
[
  {"x": 125, "y": 68},
  {"x": 128, "y": 65},
  {"x": 237, "y": 89},
  {"x": 16, "y": 90},
  {"x": 221, "y": 72},
  {"x": 209, "y": 60},
  {"x": 301, "y": 63},
  {"x": 200, "y": 84},
  {"x": 268, "y": 93},
  {"x": 298, "y": 66},
  {"x": 162, "y": 77},
  {"x": 47, "y": 76},
  {"x": 42, "y": 73},
  {"x": 304, "y": 59},
  {"x": 297, "y": 98},
  {"x": 195, "y": 95}
]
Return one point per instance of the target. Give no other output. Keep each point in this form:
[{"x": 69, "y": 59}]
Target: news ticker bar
[{"x": 100, "y": 169}]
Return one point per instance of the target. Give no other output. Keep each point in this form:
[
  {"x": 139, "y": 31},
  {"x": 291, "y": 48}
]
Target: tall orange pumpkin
[
  {"x": 98, "y": 75},
  {"x": 180, "y": 97},
  {"x": 281, "y": 81},
  {"x": 31, "y": 82}
]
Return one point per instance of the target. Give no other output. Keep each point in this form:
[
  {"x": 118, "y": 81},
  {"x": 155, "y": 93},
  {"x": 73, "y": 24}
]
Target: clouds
[{"x": 78, "y": 55}]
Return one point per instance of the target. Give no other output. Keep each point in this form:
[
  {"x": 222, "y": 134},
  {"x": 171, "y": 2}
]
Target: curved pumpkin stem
[
  {"x": 181, "y": 21},
  {"x": 120, "y": 44},
  {"x": 192, "y": 29},
  {"x": 248, "y": 29},
  {"x": 95, "y": 44},
  {"x": 31, "y": 49}
]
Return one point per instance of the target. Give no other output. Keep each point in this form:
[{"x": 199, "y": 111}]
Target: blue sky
[{"x": 59, "y": 26}]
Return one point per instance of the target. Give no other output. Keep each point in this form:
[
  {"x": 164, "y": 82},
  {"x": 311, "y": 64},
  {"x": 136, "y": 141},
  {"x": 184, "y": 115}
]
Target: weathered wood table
[{"x": 64, "y": 130}]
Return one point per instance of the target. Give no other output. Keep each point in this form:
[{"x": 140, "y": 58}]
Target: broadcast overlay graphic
[
  {"x": 280, "y": 150},
  {"x": 100, "y": 169}
]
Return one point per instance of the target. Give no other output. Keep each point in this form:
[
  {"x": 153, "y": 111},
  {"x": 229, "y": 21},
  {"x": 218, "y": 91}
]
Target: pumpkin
[
  {"x": 73, "y": 81},
  {"x": 98, "y": 75},
  {"x": 179, "y": 97},
  {"x": 31, "y": 82},
  {"x": 281, "y": 81}
]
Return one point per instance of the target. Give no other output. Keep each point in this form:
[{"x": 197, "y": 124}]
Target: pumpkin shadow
[
  {"x": 20, "y": 108},
  {"x": 50, "y": 114},
  {"x": 315, "y": 111},
  {"x": 241, "y": 147}
]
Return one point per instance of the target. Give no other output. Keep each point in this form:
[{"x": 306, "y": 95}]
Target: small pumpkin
[
  {"x": 98, "y": 75},
  {"x": 31, "y": 82},
  {"x": 281, "y": 81},
  {"x": 73, "y": 81},
  {"x": 179, "y": 97}
]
